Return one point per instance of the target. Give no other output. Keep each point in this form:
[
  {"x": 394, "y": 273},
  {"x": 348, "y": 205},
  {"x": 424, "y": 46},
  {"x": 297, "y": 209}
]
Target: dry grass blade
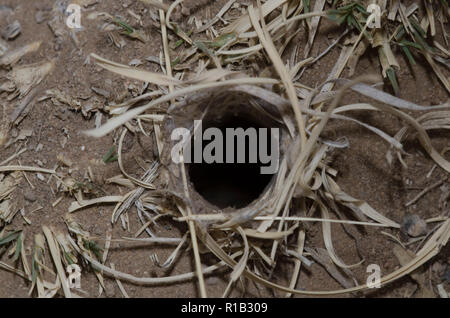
[
  {"x": 222, "y": 218},
  {"x": 269, "y": 235},
  {"x": 388, "y": 99},
  {"x": 192, "y": 230},
  {"x": 155, "y": 240},
  {"x": 86, "y": 203},
  {"x": 157, "y": 4},
  {"x": 122, "y": 289},
  {"x": 298, "y": 262},
  {"x": 12, "y": 157},
  {"x": 268, "y": 45},
  {"x": 11, "y": 57},
  {"x": 125, "y": 70},
  {"x": 243, "y": 24},
  {"x": 318, "y": 6},
  {"x": 26, "y": 168},
  {"x": 56, "y": 256},
  {"x": 327, "y": 237},
  {"x": 148, "y": 177},
  {"x": 240, "y": 266},
  {"x": 169, "y": 261},
  {"x": 122, "y": 119},
  {"x": 146, "y": 280}
]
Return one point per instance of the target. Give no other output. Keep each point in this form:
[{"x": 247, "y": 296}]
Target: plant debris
[{"x": 245, "y": 58}]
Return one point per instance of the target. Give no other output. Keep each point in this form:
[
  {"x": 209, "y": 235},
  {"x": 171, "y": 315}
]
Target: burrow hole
[{"x": 230, "y": 185}]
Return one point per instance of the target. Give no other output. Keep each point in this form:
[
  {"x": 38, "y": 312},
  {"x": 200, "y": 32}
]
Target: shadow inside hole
[{"x": 234, "y": 185}]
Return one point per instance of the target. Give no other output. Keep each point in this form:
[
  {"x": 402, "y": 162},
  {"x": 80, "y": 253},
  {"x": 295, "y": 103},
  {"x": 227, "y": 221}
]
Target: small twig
[
  {"x": 219, "y": 217},
  {"x": 424, "y": 191},
  {"x": 26, "y": 178},
  {"x": 122, "y": 289},
  {"x": 26, "y": 168},
  {"x": 14, "y": 156}
]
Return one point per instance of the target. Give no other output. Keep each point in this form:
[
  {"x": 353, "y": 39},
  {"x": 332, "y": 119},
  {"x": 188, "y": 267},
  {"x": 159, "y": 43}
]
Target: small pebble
[
  {"x": 413, "y": 225},
  {"x": 29, "y": 196},
  {"x": 447, "y": 275},
  {"x": 135, "y": 62},
  {"x": 438, "y": 268},
  {"x": 212, "y": 280},
  {"x": 40, "y": 16},
  {"x": 12, "y": 31},
  {"x": 185, "y": 11}
]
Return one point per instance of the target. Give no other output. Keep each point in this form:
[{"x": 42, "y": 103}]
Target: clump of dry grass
[{"x": 261, "y": 230}]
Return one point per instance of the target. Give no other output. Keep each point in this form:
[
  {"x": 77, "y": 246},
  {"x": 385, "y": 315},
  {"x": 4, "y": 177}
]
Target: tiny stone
[
  {"x": 447, "y": 275},
  {"x": 135, "y": 62},
  {"x": 14, "y": 132},
  {"x": 438, "y": 268},
  {"x": 12, "y": 31},
  {"x": 57, "y": 46},
  {"x": 185, "y": 11},
  {"x": 62, "y": 116},
  {"x": 40, "y": 176},
  {"x": 29, "y": 196},
  {"x": 212, "y": 280},
  {"x": 413, "y": 225},
  {"x": 40, "y": 17}
]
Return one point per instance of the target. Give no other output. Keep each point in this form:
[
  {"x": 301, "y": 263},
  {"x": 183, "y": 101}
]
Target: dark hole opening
[{"x": 235, "y": 184}]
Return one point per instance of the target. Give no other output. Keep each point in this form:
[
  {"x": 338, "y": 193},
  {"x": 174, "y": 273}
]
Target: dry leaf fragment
[
  {"x": 60, "y": 98},
  {"x": 116, "y": 39},
  {"x": 27, "y": 77},
  {"x": 12, "y": 57},
  {"x": 64, "y": 160}
]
